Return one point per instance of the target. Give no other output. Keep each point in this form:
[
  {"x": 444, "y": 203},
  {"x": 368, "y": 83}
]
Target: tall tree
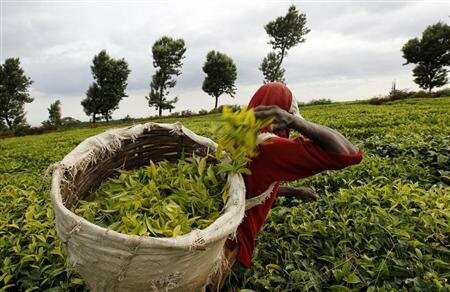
[
  {"x": 167, "y": 55},
  {"x": 431, "y": 53},
  {"x": 220, "y": 75},
  {"x": 285, "y": 32},
  {"x": 14, "y": 93},
  {"x": 54, "y": 115},
  {"x": 270, "y": 67},
  {"x": 110, "y": 81}
]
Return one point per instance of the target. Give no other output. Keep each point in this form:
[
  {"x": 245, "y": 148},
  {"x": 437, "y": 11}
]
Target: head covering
[{"x": 275, "y": 93}]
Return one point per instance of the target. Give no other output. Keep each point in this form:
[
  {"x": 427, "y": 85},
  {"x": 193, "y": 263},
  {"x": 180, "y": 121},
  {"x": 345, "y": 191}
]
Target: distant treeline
[{"x": 397, "y": 94}]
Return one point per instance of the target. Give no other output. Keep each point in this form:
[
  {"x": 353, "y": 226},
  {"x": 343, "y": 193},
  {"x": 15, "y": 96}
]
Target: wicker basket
[{"x": 111, "y": 261}]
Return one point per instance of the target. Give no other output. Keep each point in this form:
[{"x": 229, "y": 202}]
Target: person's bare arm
[
  {"x": 302, "y": 193},
  {"x": 328, "y": 139}
]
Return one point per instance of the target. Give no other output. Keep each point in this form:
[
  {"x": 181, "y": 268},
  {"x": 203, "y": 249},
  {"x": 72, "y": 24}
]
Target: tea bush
[
  {"x": 378, "y": 226},
  {"x": 393, "y": 236}
]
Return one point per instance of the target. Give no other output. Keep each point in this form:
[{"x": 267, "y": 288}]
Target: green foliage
[
  {"x": 431, "y": 54},
  {"x": 363, "y": 232},
  {"x": 389, "y": 237},
  {"x": 14, "y": 94},
  {"x": 31, "y": 256},
  {"x": 285, "y": 32},
  {"x": 406, "y": 162},
  {"x": 398, "y": 94},
  {"x": 319, "y": 101},
  {"x": 442, "y": 92},
  {"x": 270, "y": 67},
  {"x": 162, "y": 200},
  {"x": 394, "y": 94},
  {"x": 219, "y": 109},
  {"x": 69, "y": 121},
  {"x": 186, "y": 113},
  {"x": 237, "y": 136},
  {"x": 54, "y": 115},
  {"x": 428, "y": 78},
  {"x": 103, "y": 96},
  {"x": 220, "y": 75},
  {"x": 167, "y": 55}
]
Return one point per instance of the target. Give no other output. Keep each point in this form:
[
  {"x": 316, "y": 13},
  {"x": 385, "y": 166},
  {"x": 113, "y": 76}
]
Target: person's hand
[
  {"x": 305, "y": 194},
  {"x": 301, "y": 193},
  {"x": 326, "y": 138},
  {"x": 282, "y": 118}
]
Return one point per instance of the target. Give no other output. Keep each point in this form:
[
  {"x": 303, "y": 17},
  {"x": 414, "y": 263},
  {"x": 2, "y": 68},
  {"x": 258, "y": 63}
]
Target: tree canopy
[
  {"x": 220, "y": 75},
  {"x": 167, "y": 56},
  {"x": 285, "y": 32},
  {"x": 14, "y": 85},
  {"x": 431, "y": 54},
  {"x": 108, "y": 89},
  {"x": 54, "y": 115},
  {"x": 270, "y": 67}
]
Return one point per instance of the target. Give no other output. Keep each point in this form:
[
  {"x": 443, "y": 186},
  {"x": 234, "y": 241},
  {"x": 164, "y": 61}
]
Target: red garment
[{"x": 279, "y": 159}]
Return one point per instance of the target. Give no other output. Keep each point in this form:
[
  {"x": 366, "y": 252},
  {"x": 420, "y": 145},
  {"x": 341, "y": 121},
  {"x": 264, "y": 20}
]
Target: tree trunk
[
  {"x": 93, "y": 118},
  {"x": 431, "y": 77},
  {"x": 161, "y": 98},
  {"x": 281, "y": 61},
  {"x": 215, "y": 106},
  {"x": 9, "y": 123}
]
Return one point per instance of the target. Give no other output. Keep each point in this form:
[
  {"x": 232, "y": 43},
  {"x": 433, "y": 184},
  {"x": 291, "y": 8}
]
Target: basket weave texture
[{"x": 112, "y": 261}]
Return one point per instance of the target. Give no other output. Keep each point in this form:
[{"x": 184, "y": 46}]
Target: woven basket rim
[{"x": 226, "y": 224}]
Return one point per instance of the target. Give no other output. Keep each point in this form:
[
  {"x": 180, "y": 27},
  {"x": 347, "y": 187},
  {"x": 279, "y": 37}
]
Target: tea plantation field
[{"x": 383, "y": 225}]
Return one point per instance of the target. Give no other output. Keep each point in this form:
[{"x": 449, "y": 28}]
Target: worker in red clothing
[{"x": 281, "y": 159}]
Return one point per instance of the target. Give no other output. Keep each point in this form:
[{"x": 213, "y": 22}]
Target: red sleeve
[{"x": 287, "y": 160}]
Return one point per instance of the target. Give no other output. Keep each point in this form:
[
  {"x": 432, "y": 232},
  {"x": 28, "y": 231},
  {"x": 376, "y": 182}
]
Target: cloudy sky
[{"x": 352, "y": 51}]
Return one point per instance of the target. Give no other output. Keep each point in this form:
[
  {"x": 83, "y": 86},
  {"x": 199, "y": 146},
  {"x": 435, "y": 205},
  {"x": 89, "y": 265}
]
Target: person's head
[{"x": 275, "y": 93}]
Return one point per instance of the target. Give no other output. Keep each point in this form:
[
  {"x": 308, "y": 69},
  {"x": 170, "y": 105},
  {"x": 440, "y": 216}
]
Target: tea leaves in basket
[{"x": 170, "y": 199}]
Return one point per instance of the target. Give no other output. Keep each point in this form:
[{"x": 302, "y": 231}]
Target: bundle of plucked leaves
[
  {"x": 237, "y": 136},
  {"x": 170, "y": 199}
]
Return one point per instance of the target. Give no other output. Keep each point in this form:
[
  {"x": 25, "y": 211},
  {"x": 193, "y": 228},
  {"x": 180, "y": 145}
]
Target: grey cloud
[
  {"x": 55, "y": 80},
  {"x": 303, "y": 71},
  {"x": 30, "y": 29},
  {"x": 349, "y": 42},
  {"x": 387, "y": 20}
]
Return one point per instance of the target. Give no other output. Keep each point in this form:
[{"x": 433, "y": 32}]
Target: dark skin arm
[
  {"x": 328, "y": 139},
  {"x": 301, "y": 193}
]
